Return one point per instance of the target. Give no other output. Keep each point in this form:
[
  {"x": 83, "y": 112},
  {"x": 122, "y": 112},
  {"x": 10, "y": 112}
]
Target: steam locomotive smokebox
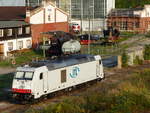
[{"x": 72, "y": 46}]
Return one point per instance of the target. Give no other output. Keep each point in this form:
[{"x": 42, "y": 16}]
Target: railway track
[{"x": 112, "y": 75}]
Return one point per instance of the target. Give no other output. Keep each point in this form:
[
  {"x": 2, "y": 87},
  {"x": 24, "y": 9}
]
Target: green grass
[
  {"x": 121, "y": 39},
  {"x": 5, "y": 63},
  {"x": 27, "y": 56},
  {"x": 102, "y": 50},
  {"x": 147, "y": 52},
  {"x": 127, "y": 34},
  {"x": 129, "y": 96},
  {"x": 22, "y": 58}
]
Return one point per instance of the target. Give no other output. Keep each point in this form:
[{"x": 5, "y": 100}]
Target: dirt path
[
  {"x": 112, "y": 76},
  {"x": 6, "y": 70}
]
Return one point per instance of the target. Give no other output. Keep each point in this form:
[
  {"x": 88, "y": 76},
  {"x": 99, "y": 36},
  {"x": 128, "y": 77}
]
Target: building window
[
  {"x": 10, "y": 46},
  {"x": 49, "y": 17},
  {"x": 123, "y": 25},
  {"x": 148, "y": 27},
  {"x": 114, "y": 24},
  {"x": 137, "y": 25},
  {"x": 20, "y": 31},
  {"x": 27, "y": 30},
  {"x": 1, "y": 32},
  {"x": 28, "y": 44},
  {"x": 9, "y": 32},
  {"x": 20, "y": 44}
]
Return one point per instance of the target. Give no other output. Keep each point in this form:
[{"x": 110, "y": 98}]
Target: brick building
[
  {"x": 45, "y": 18},
  {"x": 135, "y": 19}
]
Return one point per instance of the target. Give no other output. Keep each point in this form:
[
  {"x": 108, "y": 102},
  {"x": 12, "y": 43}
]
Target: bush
[
  {"x": 128, "y": 102},
  {"x": 147, "y": 52},
  {"x": 147, "y": 34},
  {"x": 137, "y": 61},
  {"x": 125, "y": 59},
  {"x": 133, "y": 98}
]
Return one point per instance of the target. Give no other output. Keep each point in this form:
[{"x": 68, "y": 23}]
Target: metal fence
[{"x": 102, "y": 50}]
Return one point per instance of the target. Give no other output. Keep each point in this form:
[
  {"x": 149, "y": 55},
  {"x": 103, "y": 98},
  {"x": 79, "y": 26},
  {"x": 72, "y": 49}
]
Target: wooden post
[
  {"x": 44, "y": 55},
  {"x": 119, "y": 62}
]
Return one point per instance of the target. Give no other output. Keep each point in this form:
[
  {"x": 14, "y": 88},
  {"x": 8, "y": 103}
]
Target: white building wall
[
  {"x": 55, "y": 15},
  {"x": 60, "y": 17},
  {"x": 143, "y": 13},
  {"x": 138, "y": 13},
  {"x": 15, "y": 44},
  {"x": 146, "y": 11},
  {"x": 110, "y": 5},
  {"x": 37, "y": 18},
  {"x": 50, "y": 10}
]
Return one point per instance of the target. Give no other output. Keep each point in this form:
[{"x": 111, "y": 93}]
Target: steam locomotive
[{"x": 62, "y": 43}]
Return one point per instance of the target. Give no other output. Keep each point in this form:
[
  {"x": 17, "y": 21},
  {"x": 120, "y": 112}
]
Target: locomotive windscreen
[{"x": 24, "y": 75}]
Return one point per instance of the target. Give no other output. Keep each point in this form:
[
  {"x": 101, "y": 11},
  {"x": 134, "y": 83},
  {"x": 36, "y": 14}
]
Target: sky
[{"x": 12, "y": 2}]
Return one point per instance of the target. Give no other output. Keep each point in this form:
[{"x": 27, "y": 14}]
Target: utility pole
[
  {"x": 89, "y": 30},
  {"x": 70, "y": 8},
  {"x": 104, "y": 26},
  {"x": 38, "y": 2},
  {"x": 93, "y": 17},
  {"x": 28, "y": 3},
  {"x": 44, "y": 55},
  {"x": 81, "y": 15},
  {"x": 16, "y": 38}
]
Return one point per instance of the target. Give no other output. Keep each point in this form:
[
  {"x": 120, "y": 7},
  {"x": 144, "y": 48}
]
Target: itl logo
[{"x": 74, "y": 72}]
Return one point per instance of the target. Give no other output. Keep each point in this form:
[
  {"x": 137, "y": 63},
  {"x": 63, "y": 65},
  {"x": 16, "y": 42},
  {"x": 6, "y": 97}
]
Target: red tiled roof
[{"x": 12, "y": 13}]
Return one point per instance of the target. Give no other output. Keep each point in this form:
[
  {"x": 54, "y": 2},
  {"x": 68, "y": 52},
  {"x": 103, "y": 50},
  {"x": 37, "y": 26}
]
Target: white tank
[{"x": 72, "y": 46}]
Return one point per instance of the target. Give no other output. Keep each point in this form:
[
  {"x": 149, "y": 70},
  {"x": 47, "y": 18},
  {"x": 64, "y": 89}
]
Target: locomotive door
[
  {"x": 98, "y": 68},
  {"x": 45, "y": 82}
]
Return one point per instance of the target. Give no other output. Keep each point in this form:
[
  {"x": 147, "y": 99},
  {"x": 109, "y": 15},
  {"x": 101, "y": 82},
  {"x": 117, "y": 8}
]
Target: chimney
[
  {"x": 44, "y": 2},
  {"x": 27, "y": 16}
]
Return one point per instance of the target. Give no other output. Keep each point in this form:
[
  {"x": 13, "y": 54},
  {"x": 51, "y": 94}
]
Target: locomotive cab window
[
  {"x": 24, "y": 75},
  {"x": 19, "y": 75},
  {"x": 41, "y": 76},
  {"x": 63, "y": 76},
  {"x": 100, "y": 62},
  {"x": 28, "y": 75}
]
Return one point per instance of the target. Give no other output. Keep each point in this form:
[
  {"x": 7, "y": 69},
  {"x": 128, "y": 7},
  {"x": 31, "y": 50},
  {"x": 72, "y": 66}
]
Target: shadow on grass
[{"x": 5, "y": 86}]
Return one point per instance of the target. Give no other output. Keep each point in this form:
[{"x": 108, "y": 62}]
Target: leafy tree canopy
[{"x": 131, "y": 3}]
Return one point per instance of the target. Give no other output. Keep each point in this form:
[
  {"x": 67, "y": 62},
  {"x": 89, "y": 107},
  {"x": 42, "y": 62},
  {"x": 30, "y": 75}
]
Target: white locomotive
[{"x": 45, "y": 77}]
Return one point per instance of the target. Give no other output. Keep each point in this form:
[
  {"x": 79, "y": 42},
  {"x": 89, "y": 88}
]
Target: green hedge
[
  {"x": 147, "y": 52},
  {"x": 125, "y": 59}
]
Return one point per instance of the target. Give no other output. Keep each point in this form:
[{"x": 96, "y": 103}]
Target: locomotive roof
[{"x": 63, "y": 61}]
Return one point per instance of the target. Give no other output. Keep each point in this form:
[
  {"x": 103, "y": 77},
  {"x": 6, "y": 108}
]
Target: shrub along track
[{"x": 113, "y": 76}]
